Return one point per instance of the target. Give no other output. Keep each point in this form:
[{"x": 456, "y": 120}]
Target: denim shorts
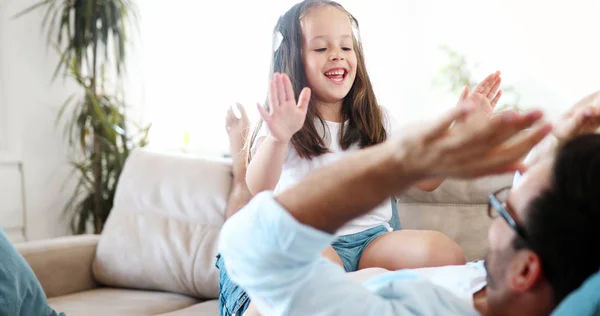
[
  {"x": 395, "y": 220},
  {"x": 233, "y": 300},
  {"x": 350, "y": 247}
]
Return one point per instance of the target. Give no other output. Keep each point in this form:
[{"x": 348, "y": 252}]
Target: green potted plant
[{"x": 91, "y": 39}]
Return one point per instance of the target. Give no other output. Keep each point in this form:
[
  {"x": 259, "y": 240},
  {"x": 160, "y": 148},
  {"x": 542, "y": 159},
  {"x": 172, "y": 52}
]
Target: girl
[
  {"x": 337, "y": 115},
  {"x": 318, "y": 47}
]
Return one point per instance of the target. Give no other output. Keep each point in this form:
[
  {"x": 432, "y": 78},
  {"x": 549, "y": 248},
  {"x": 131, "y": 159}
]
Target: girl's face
[{"x": 328, "y": 53}]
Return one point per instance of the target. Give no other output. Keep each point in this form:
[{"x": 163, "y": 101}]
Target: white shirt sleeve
[
  {"x": 389, "y": 121},
  {"x": 278, "y": 261}
]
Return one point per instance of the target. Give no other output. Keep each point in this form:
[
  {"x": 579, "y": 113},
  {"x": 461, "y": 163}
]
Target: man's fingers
[
  {"x": 476, "y": 137},
  {"x": 516, "y": 124},
  {"x": 506, "y": 158},
  {"x": 476, "y": 131},
  {"x": 442, "y": 125},
  {"x": 519, "y": 146},
  {"x": 521, "y": 166},
  {"x": 508, "y": 168},
  {"x": 595, "y": 122},
  {"x": 590, "y": 125},
  {"x": 572, "y": 125}
]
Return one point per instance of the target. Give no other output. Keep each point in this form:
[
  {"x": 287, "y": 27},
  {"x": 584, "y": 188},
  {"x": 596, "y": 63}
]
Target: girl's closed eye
[
  {"x": 347, "y": 49},
  {"x": 320, "y": 50}
]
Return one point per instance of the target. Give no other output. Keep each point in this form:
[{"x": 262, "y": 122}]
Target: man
[{"x": 272, "y": 246}]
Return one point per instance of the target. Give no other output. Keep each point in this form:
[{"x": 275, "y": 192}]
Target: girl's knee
[{"x": 443, "y": 251}]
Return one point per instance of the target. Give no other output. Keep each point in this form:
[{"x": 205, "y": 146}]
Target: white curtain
[{"x": 197, "y": 58}]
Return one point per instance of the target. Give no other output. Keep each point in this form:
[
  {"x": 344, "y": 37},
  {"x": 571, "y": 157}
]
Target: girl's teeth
[
  {"x": 337, "y": 78},
  {"x": 336, "y": 75},
  {"x": 335, "y": 72}
]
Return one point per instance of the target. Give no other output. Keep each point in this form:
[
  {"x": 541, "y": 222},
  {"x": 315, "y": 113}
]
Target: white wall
[
  {"x": 202, "y": 57},
  {"x": 32, "y": 102},
  {"x": 547, "y": 49}
]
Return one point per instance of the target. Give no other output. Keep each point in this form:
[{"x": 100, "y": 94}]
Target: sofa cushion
[
  {"x": 208, "y": 308},
  {"x": 454, "y": 191},
  {"x": 163, "y": 229},
  {"x": 111, "y": 301},
  {"x": 467, "y": 224}
]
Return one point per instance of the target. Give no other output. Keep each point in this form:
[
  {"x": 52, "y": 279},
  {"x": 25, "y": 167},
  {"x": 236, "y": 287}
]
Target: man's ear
[{"x": 524, "y": 271}]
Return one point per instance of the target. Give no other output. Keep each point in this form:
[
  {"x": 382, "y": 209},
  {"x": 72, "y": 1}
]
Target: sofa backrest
[{"x": 458, "y": 208}]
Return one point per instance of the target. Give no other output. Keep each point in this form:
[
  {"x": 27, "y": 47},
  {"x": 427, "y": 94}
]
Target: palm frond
[
  {"x": 90, "y": 38},
  {"x": 32, "y": 8}
]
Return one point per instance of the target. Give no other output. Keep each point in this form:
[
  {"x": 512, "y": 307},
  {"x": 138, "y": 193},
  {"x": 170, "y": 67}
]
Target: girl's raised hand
[
  {"x": 285, "y": 117},
  {"x": 485, "y": 95}
]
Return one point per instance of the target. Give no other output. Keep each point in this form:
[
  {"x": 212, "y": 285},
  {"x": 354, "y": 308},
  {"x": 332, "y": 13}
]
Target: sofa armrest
[{"x": 62, "y": 265}]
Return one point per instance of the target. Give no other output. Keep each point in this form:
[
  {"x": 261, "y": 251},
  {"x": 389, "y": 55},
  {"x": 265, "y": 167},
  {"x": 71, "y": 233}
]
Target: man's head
[{"x": 549, "y": 251}]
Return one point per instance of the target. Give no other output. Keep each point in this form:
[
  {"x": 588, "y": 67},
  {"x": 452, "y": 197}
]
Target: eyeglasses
[{"x": 497, "y": 206}]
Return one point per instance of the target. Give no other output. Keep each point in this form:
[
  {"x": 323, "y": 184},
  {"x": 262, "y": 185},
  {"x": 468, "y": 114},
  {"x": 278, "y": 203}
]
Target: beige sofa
[{"x": 155, "y": 267}]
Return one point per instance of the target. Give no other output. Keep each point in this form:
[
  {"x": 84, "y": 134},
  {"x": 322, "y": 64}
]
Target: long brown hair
[{"x": 359, "y": 108}]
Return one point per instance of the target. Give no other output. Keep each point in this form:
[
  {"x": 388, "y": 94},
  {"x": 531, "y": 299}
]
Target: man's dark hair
[{"x": 563, "y": 223}]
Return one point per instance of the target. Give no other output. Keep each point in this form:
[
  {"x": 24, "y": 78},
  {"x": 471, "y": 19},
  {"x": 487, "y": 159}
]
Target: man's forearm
[
  {"x": 430, "y": 185},
  {"x": 331, "y": 196}
]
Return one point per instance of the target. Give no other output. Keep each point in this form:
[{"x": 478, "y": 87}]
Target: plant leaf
[
  {"x": 63, "y": 107},
  {"x": 31, "y": 8}
]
